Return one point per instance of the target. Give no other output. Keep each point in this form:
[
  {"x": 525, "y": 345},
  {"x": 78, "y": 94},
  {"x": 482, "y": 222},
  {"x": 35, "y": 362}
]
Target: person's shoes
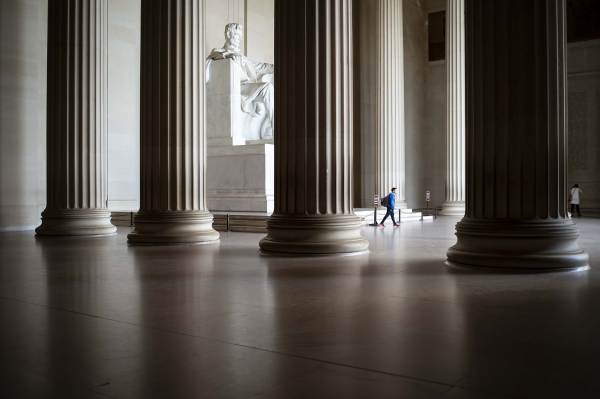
[
  {"x": 397, "y": 225},
  {"x": 381, "y": 225}
]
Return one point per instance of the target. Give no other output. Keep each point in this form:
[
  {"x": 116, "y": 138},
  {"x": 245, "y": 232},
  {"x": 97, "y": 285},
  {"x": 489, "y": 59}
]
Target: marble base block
[
  {"x": 456, "y": 208},
  {"x": 240, "y": 178}
]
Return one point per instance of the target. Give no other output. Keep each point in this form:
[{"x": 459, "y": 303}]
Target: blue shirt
[{"x": 391, "y": 201}]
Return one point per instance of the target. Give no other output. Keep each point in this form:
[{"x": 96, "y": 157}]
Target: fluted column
[
  {"x": 313, "y": 145},
  {"x": 76, "y": 124},
  {"x": 173, "y": 146},
  {"x": 516, "y": 214},
  {"x": 455, "y": 109},
  {"x": 390, "y": 156}
]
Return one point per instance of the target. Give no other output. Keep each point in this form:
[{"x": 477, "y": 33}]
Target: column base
[
  {"x": 453, "y": 208},
  {"x": 519, "y": 245},
  {"x": 87, "y": 222},
  {"x": 173, "y": 227},
  {"x": 314, "y": 235}
]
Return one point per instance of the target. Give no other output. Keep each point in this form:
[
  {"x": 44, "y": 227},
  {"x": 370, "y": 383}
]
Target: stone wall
[
  {"x": 584, "y": 122},
  {"x": 218, "y": 14},
  {"x": 260, "y": 30},
  {"x": 23, "y": 42},
  {"x": 123, "y": 97}
]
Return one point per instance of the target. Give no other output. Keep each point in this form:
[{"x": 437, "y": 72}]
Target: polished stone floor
[{"x": 94, "y": 318}]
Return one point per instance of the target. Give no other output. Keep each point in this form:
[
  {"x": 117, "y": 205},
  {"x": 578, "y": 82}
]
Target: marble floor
[{"x": 94, "y": 318}]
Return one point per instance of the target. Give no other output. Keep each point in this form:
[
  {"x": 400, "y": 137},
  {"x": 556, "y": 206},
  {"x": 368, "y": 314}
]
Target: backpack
[{"x": 384, "y": 201}]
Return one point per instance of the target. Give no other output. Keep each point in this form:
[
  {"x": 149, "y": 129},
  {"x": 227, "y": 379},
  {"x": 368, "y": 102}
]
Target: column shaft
[
  {"x": 173, "y": 148},
  {"x": 390, "y": 156},
  {"x": 313, "y": 145},
  {"x": 76, "y": 124},
  {"x": 516, "y": 213},
  {"x": 455, "y": 109}
]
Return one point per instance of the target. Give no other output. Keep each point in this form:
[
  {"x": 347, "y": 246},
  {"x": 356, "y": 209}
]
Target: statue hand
[{"x": 237, "y": 58}]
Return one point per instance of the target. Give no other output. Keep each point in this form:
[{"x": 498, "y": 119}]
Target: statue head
[{"x": 233, "y": 37}]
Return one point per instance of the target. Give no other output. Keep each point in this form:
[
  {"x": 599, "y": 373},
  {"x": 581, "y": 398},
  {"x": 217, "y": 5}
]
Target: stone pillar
[
  {"x": 390, "y": 154},
  {"x": 455, "y": 109},
  {"x": 313, "y": 144},
  {"x": 516, "y": 214},
  {"x": 76, "y": 120},
  {"x": 173, "y": 143}
]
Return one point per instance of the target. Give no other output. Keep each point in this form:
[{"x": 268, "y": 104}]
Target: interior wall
[
  {"x": 123, "y": 98},
  {"x": 23, "y": 43},
  {"x": 583, "y": 60},
  {"x": 218, "y": 14},
  {"x": 260, "y": 30}
]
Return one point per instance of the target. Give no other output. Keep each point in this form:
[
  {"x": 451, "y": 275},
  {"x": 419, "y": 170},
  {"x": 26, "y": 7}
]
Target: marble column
[
  {"x": 390, "y": 152},
  {"x": 455, "y": 109},
  {"x": 313, "y": 144},
  {"x": 173, "y": 144},
  {"x": 516, "y": 190},
  {"x": 76, "y": 120}
]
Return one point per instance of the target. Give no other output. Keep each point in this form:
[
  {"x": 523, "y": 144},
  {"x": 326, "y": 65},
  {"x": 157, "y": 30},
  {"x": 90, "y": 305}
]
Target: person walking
[
  {"x": 389, "y": 202},
  {"x": 575, "y": 198}
]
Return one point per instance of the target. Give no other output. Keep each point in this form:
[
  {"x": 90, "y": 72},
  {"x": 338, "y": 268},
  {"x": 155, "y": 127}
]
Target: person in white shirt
[{"x": 574, "y": 200}]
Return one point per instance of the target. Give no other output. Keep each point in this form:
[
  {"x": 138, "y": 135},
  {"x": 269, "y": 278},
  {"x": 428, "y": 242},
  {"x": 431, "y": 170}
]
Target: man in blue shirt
[{"x": 390, "y": 205}]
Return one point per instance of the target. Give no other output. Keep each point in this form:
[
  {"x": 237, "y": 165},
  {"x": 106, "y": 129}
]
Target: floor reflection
[{"x": 96, "y": 318}]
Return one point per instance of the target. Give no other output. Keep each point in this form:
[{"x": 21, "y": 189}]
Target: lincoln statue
[{"x": 256, "y": 81}]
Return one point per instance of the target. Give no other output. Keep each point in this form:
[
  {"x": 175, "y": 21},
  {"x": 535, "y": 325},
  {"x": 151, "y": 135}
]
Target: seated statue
[{"x": 256, "y": 84}]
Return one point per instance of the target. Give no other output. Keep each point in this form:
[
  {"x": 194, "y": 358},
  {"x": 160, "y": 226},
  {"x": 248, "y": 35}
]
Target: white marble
[
  {"x": 224, "y": 120},
  {"x": 218, "y": 14},
  {"x": 123, "y": 102},
  {"x": 244, "y": 88},
  {"x": 23, "y": 45},
  {"x": 240, "y": 178},
  {"x": 260, "y": 30}
]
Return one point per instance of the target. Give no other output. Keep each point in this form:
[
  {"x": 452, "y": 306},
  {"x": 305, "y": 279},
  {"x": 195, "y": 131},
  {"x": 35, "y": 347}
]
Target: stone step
[
  {"x": 402, "y": 215},
  {"x": 124, "y": 219}
]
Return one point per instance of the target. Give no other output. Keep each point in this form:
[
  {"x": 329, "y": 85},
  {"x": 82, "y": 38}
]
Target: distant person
[
  {"x": 389, "y": 202},
  {"x": 575, "y": 198}
]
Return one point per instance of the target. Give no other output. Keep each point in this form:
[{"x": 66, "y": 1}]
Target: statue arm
[
  {"x": 263, "y": 68},
  {"x": 223, "y": 54}
]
